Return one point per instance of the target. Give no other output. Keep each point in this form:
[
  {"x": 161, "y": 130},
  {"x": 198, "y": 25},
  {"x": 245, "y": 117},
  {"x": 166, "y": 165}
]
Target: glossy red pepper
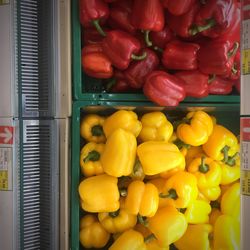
[
  {"x": 137, "y": 71},
  {"x": 164, "y": 89},
  {"x": 181, "y": 25},
  {"x": 120, "y": 16},
  {"x": 235, "y": 71},
  {"x": 195, "y": 83},
  {"x": 92, "y": 12},
  {"x": 161, "y": 38},
  {"x": 217, "y": 57},
  {"x": 95, "y": 63},
  {"x": 91, "y": 36},
  {"x": 215, "y": 17},
  {"x": 220, "y": 86},
  {"x": 121, "y": 47},
  {"x": 178, "y": 7},
  {"x": 148, "y": 15},
  {"x": 180, "y": 55}
]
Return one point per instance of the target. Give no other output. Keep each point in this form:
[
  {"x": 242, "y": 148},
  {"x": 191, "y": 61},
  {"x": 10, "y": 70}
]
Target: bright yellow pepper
[
  {"x": 192, "y": 153},
  {"x": 230, "y": 170},
  {"x": 119, "y": 154},
  {"x": 230, "y": 201},
  {"x": 180, "y": 190},
  {"x": 168, "y": 225},
  {"x": 99, "y": 194},
  {"x": 90, "y": 159},
  {"x": 198, "y": 212},
  {"x": 92, "y": 234},
  {"x": 155, "y": 127},
  {"x": 91, "y": 128},
  {"x": 221, "y": 144},
  {"x": 129, "y": 240},
  {"x": 211, "y": 193},
  {"x": 197, "y": 132},
  {"x": 157, "y": 157},
  {"x": 226, "y": 235},
  {"x": 196, "y": 238},
  {"x": 118, "y": 221},
  {"x": 142, "y": 198},
  {"x": 206, "y": 170},
  {"x": 124, "y": 119}
]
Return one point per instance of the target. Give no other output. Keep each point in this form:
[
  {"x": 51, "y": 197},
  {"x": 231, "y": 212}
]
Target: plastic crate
[
  {"x": 227, "y": 114},
  {"x": 88, "y": 88}
]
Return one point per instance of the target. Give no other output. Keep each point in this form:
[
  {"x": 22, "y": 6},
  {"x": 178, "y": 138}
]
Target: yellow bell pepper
[
  {"x": 230, "y": 201},
  {"x": 157, "y": 157},
  {"x": 142, "y": 198},
  {"x": 206, "y": 170},
  {"x": 198, "y": 212},
  {"x": 211, "y": 193},
  {"x": 119, "y": 154},
  {"x": 197, "y": 132},
  {"x": 118, "y": 221},
  {"x": 155, "y": 127},
  {"x": 221, "y": 144},
  {"x": 168, "y": 225},
  {"x": 99, "y": 194},
  {"x": 226, "y": 235},
  {"x": 91, "y": 128},
  {"x": 124, "y": 119},
  {"x": 230, "y": 171},
  {"x": 92, "y": 234},
  {"x": 192, "y": 153},
  {"x": 90, "y": 159},
  {"x": 129, "y": 240},
  {"x": 180, "y": 190},
  {"x": 196, "y": 238}
]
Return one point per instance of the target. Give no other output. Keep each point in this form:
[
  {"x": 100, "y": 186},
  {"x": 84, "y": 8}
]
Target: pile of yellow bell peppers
[{"x": 152, "y": 184}]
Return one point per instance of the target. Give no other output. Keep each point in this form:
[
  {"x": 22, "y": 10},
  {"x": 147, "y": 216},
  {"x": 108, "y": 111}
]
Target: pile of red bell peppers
[{"x": 168, "y": 49}]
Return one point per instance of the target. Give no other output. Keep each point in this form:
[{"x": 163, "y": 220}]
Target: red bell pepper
[
  {"x": 220, "y": 86},
  {"x": 195, "y": 83},
  {"x": 91, "y": 36},
  {"x": 217, "y": 57},
  {"x": 180, "y": 55},
  {"x": 119, "y": 17},
  {"x": 164, "y": 89},
  {"x": 137, "y": 71},
  {"x": 215, "y": 17},
  {"x": 178, "y": 7},
  {"x": 95, "y": 63},
  {"x": 121, "y": 47},
  {"x": 148, "y": 15},
  {"x": 181, "y": 25},
  {"x": 161, "y": 38},
  {"x": 235, "y": 71},
  {"x": 92, "y": 12}
]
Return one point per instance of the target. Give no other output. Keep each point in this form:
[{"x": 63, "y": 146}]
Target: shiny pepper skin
[
  {"x": 99, "y": 194},
  {"x": 124, "y": 119},
  {"x": 90, "y": 159},
  {"x": 197, "y": 132},
  {"x": 155, "y": 127},
  {"x": 91, "y": 128},
  {"x": 92, "y": 234},
  {"x": 118, "y": 157}
]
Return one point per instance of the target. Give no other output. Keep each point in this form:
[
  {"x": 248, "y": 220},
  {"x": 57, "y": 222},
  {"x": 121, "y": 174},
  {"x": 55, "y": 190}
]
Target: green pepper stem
[
  {"x": 114, "y": 214},
  {"x": 142, "y": 220},
  {"x": 211, "y": 78},
  {"x": 92, "y": 156},
  {"x": 171, "y": 194},
  {"x": 234, "y": 69},
  {"x": 96, "y": 23},
  {"x": 149, "y": 238},
  {"x": 140, "y": 57},
  {"x": 180, "y": 144},
  {"x": 195, "y": 29},
  {"x": 97, "y": 130},
  {"x": 232, "y": 159},
  {"x": 203, "y": 168},
  {"x": 123, "y": 192},
  {"x": 234, "y": 50},
  {"x": 146, "y": 37},
  {"x": 225, "y": 152}
]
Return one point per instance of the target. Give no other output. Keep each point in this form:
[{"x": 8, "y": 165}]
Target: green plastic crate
[
  {"x": 87, "y": 88},
  {"x": 227, "y": 114}
]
